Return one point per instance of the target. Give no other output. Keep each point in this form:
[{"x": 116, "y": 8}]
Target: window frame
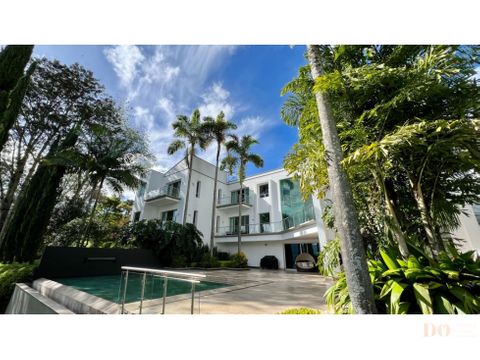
[
  {"x": 260, "y": 190},
  {"x": 198, "y": 189}
]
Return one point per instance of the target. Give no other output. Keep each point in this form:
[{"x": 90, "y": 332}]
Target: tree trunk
[
  {"x": 212, "y": 230},
  {"x": 397, "y": 229},
  {"x": 13, "y": 85},
  {"x": 22, "y": 235},
  {"x": 7, "y": 201},
  {"x": 435, "y": 243},
  {"x": 239, "y": 232},
  {"x": 92, "y": 213},
  {"x": 190, "y": 166},
  {"x": 353, "y": 254}
]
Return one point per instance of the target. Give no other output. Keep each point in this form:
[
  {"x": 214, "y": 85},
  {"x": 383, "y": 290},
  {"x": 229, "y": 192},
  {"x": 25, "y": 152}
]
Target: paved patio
[{"x": 251, "y": 292}]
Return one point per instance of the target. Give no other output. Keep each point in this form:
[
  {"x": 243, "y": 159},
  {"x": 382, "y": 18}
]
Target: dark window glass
[{"x": 263, "y": 190}]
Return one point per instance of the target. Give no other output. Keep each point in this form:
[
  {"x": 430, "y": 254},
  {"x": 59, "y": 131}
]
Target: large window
[
  {"x": 173, "y": 189},
  {"x": 245, "y": 196},
  {"x": 264, "y": 222},
  {"x": 141, "y": 189},
  {"x": 263, "y": 190},
  {"x": 170, "y": 215},
  {"x": 295, "y": 210},
  {"x": 234, "y": 225}
]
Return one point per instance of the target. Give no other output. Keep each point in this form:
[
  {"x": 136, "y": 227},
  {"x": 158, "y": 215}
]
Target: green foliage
[
  {"x": 301, "y": 311},
  {"x": 224, "y": 263},
  {"x": 110, "y": 221},
  {"x": 221, "y": 255},
  {"x": 21, "y": 239},
  {"x": 329, "y": 258},
  {"x": 238, "y": 260},
  {"x": 174, "y": 244},
  {"x": 404, "y": 117},
  {"x": 10, "y": 274},
  {"x": 239, "y": 156},
  {"x": 207, "y": 261},
  {"x": 13, "y": 84},
  {"x": 419, "y": 285}
]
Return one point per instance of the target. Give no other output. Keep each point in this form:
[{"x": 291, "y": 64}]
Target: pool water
[{"x": 108, "y": 287}]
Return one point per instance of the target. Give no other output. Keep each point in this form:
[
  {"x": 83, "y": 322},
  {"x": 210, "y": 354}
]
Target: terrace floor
[{"x": 252, "y": 291}]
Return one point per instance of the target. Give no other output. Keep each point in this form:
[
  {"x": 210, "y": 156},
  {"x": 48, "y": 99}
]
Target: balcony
[
  {"x": 165, "y": 196},
  {"x": 289, "y": 223},
  {"x": 228, "y": 202}
]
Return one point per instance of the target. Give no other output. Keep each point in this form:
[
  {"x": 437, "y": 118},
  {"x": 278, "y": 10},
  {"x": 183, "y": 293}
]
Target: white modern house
[{"x": 275, "y": 219}]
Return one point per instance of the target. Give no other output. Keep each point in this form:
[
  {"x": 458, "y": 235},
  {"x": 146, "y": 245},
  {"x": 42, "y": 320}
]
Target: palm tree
[
  {"x": 216, "y": 130},
  {"x": 353, "y": 254},
  {"x": 189, "y": 134},
  {"x": 113, "y": 160},
  {"x": 238, "y": 157}
]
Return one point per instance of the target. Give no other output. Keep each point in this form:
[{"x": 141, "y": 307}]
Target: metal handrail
[
  {"x": 166, "y": 274},
  {"x": 161, "y": 272}
]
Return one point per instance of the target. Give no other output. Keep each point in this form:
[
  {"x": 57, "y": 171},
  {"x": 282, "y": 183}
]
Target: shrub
[
  {"x": 11, "y": 274},
  {"x": 221, "y": 255},
  {"x": 419, "y": 285},
  {"x": 224, "y": 263},
  {"x": 238, "y": 260},
  {"x": 301, "y": 311},
  {"x": 175, "y": 244},
  {"x": 208, "y": 261},
  {"x": 329, "y": 258}
]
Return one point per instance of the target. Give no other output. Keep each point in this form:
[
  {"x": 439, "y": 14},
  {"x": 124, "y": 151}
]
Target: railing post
[
  {"x": 165, "y": 281},
  {"x": 124, "y": 291},
  {"x": 193, "y": 297},
  {"x": 143, "y": 292}
]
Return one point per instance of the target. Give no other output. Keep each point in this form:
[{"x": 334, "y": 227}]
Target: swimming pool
[{"x": 109, "y": 287}]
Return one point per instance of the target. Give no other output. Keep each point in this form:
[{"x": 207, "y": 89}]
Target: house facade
[{"x": 275, "y": 219}]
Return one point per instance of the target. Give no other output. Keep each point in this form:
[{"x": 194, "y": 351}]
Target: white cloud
[
  {"x": 167, "y": 106},
  {"x": 125, "y": 59},
  {"x": 252, "y": 125},
  {"x": 216, "y": 99},
  {"x": 163, "y": 81}
]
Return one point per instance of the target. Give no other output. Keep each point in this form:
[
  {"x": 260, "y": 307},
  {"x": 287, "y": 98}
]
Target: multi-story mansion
[{"x": 275, "y": 219}]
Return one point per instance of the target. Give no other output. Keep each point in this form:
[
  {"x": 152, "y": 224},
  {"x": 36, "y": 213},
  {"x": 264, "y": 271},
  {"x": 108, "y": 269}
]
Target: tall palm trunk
[
  {"x": 189, "y": 181},
  {"x": 240, "y": 218},
  {"x": 353, "y": 254},
  {"x": 212, "y": 230}
]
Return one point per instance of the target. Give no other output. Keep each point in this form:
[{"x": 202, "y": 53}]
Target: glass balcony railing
[
  {"x": 233, "y": 200},
  {"x": 287, "y": 223},
  {"x": 165, "y": 191}
]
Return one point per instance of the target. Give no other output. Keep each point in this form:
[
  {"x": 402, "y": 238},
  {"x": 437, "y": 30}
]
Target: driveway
[{"x": 250, "y": 292}]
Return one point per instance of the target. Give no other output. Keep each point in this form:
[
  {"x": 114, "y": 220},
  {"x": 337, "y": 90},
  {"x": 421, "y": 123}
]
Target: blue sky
[{"x": 155, "y": 83}]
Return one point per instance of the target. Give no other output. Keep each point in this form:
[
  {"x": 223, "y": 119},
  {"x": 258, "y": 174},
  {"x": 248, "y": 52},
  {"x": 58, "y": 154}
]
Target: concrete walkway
[{"x": 252, "y": 292}]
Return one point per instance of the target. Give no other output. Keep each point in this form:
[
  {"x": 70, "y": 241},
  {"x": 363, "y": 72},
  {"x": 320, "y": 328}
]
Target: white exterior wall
[
  {"x": 469, "y": 230},
  {"x": 255, "y": 246}
]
